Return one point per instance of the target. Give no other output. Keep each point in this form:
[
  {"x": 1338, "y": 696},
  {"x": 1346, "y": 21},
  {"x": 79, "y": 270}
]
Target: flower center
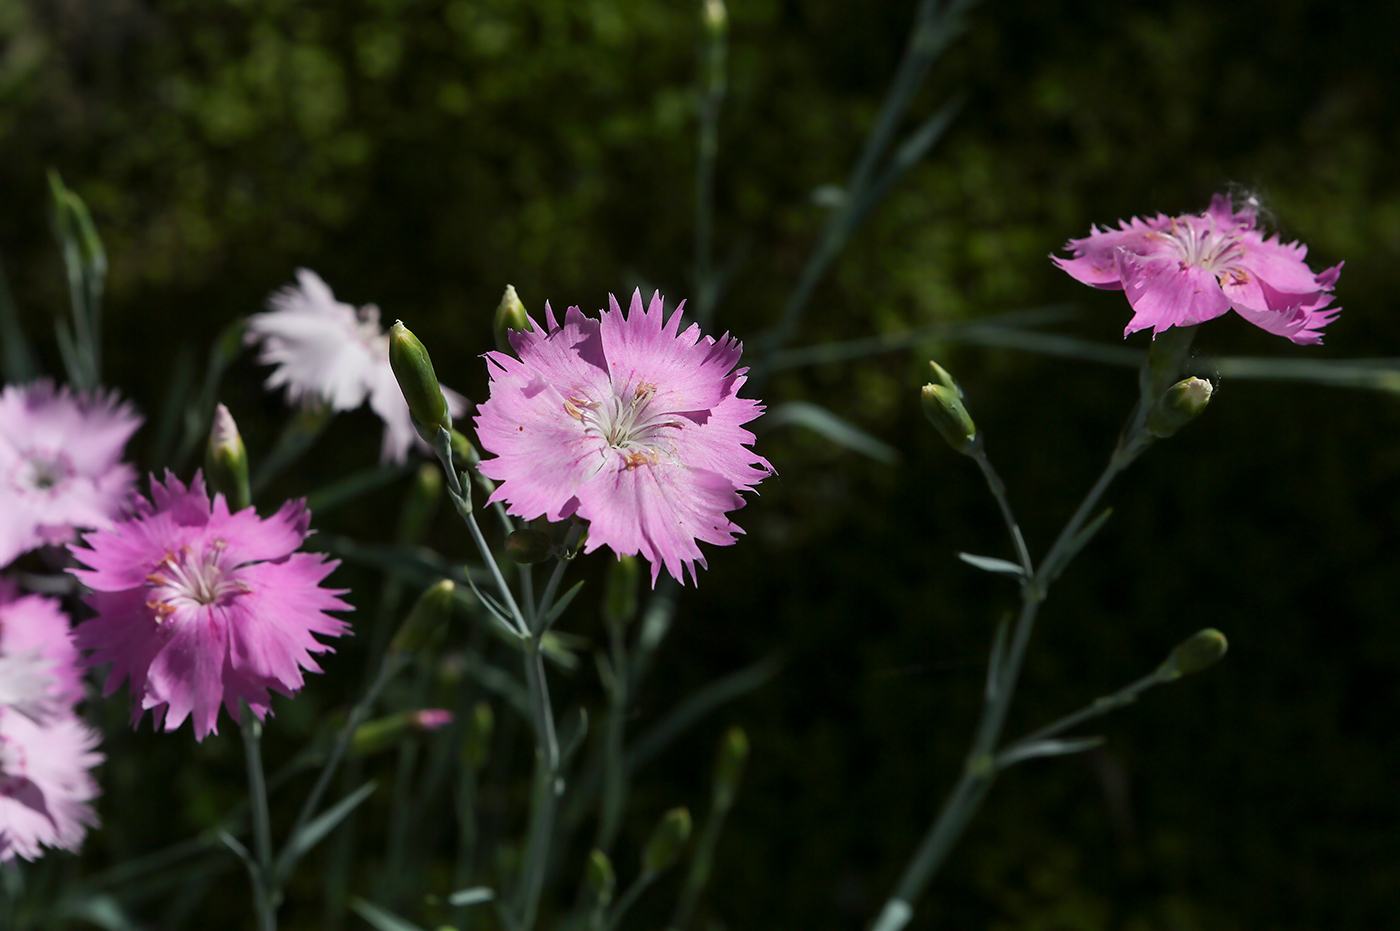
[
  {"x": 41, "y": 472},
  {"x": 627, "y": 424},
  {"x": 1213, "y": 250},
  {"x": 187, "y": 580}
]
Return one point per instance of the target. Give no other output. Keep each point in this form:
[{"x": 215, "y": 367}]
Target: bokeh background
[{"x": 421, "y": 154}]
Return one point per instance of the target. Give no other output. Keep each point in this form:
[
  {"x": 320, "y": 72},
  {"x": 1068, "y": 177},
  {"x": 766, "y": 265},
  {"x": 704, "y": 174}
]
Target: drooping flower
[
  {"x": 39, "y": 673},
  {"x": 628, "y": 423},
  {"x": 328, "y": 352},
  {"x": 197, "y": 606},
  {"x": 1180, "y": 271},
  {"x": 60, "y": 464},
  {"x": 45, "y": 784}
]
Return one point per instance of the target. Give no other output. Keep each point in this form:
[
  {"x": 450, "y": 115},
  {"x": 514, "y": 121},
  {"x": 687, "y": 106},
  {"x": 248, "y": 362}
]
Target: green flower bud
[
  {"x": 620, "y": 590},
  {"x": 667, "y": 841},
  {"x": 476, "y": 742},
  {"x": 729, "y": 768},
  {"x": 1178, "y": 406},
  {"x": 226, "y": 461},
  {"x": 510, "y": 315},
  {"x": 374, "y": 736},
  {"x": 418, "y": 382},
  {"x": 433, "y": 609},
  {"x": 1201, "y": 650},
  {"x": 527, "y": 546},
  {"x": 602, "y": 879},
  {"x": 944, "y": 408}
]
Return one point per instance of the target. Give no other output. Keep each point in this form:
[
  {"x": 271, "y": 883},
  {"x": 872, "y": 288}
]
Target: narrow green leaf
[
  {"x": 473, "y": 896},
  {"x": 1039, "y": 748},
  {"x": 379, "y": 918},
  {"x": 822, "y": 421},
  {"x": 997, "y": 658},
  {"x": 354, "y": 485},
  {"x": 561, "y": 604},
  {"x": 101, "y": 910},
  {"x": 311, "y": 835},
  {"x": 992, "y": 564}
]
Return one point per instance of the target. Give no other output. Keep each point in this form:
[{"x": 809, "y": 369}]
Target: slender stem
[
  {"x": 629, "y": 898},
  {"x": 390, "y": 665},
  {"x": 547, "y": 789},
  {"x": 537, "y": 624},
  {"x": 998, "y": 488},
  {"x": 265, "y": 897},
  {"x": 711, "y": 98},
  {"x": 700, "y": 865},
  {"x": 614, "y": 755},
  {"x": 1100, "y": 706}
]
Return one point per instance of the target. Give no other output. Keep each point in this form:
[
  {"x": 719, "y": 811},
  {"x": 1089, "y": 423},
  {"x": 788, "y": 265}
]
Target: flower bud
[
  {"x": 510, "y": 315},
  {"x": 527, "y": 546},
  {"x": 476, "y": 742},
  {"x": 1201, "y": 650},
  {"x": 667, "y": 841},
  {"x": 433, "y": 609},
  {"x": 729, "y": 768},
  {"x": 602, "y": 879},
  {"x": 1178, "y": 406},
  {"x": 418, "y": 382},
  {"x": 620, "y": 590},
  {"x": 716, "y": 17},
  {"x": 384, "y": 733},
  {"x": 226, "y": 461},
  {"x": 944, "y": 408}
]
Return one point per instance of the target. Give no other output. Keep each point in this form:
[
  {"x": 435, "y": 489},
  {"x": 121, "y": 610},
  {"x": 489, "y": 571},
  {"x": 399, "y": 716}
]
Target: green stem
[{"x": 264, "y": 894}]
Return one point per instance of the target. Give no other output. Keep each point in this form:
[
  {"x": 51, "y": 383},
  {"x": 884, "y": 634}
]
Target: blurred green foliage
[{"x": 422, "y": 154}]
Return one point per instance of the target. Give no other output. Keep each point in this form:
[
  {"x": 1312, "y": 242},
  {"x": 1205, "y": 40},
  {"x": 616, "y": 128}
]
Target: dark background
[{"x": 422, "y": 154}]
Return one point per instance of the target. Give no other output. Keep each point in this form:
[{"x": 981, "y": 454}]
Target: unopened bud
[
  {"x": 620, "y": 590},
  {"x": 729, "y": 768},
  {"x": 510, "y": 315},
  {"x": 667, "y": 841},
  {"x": 1201, "y": 650},
  {"x": 226, "y": 461},
  {"x": 384, "y": 733},
  {"x": 602, "y": 879},
  {"x": 1178, "y": 406},
  {"x": 418, "y": 382},
  {"x": 527, "y": 547},
  {"x": 716, "y": 17},
  {"x": 476, "y": 742},
  {"x": 433, "y": 609},
  {"x": 944, "y": 408},
  {"x": 463, "y": 451}
]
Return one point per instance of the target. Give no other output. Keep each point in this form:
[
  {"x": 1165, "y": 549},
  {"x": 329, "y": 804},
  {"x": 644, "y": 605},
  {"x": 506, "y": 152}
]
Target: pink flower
[
  {"x": 39, "y": 672},
  {"x": 60, "y": 464},
  {"x": 326, "y": 351},
  {"x": 197, "y": 606},
  {"x": 45, "y": 784},
  {"x": 1180, "y": 271},
  {"x": 627, "y": 423}
]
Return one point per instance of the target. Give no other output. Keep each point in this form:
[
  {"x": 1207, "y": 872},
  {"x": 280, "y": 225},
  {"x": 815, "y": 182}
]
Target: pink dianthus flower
[
  {"x": 628, "y": 423},
  {"x": 198, "y": 606},
  {"x": 45, "y": 784},
  {"x": 1180, "y": 271},
  {"x": 60, "y": 464},
  {"x": 35, "y": 644},
  {"x": 327, "y": 351}
]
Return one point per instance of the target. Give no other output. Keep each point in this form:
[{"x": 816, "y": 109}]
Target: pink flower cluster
[
  {"x": 1180, "y": 271},
  {"x": 46, "y": 751},
  {"x": 627, "y": 422},
  {"x": 198, "y": 607}
]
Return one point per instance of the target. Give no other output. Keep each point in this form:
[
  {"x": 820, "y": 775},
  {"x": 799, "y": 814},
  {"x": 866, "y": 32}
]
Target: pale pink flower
[
  {"x": 627, "y": 423},
  {"x": 197, "y": 606},
  {"x": 1180, "y": 271},
  {"x": 60, "y": 464},
  {"x": 39, "y": 673},
  {"x": 328, "y": 352},
  {"x": 45, "y": 784}
]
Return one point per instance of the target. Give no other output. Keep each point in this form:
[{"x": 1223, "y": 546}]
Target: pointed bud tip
[
  {"x": 1200, "y": 651},
  {"x": 667, "y": 841},
  {"x": 413, "y": 369},
  {"x": 510, "y": 315},
  {"x": 944, "y": 408}
]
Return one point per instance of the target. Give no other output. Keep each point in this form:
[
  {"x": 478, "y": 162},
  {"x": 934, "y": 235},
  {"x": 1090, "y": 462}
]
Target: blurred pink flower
[
  {"x": 45, "y": 784},
  {"x": 34, "y": 641},
  {"x": 60, "y": 464},
  {"x": 197, "y": 606},
  {"x": 1180, "y": 271},
  {"x": 627, "y": 423},
  {"x": 327, "y": 351}
]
